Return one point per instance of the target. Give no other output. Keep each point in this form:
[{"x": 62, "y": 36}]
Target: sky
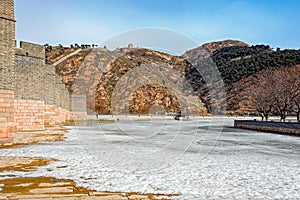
[{"x": 190, "y": 23}]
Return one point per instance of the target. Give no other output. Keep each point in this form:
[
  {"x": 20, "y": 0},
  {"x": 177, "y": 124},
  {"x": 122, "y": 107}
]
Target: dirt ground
[{"x": 15, "y": 188}]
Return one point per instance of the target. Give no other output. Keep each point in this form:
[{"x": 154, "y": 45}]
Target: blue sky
[{"x": 95, "y": 21}]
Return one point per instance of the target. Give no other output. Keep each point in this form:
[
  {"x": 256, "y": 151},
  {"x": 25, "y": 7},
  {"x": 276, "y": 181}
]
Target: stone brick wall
[
  {"x": 37, "y": 81},
  {"x": 7, "y": 44},
  {"x": 29, "y": 115},
  {"x": 31, "y": 93},
  {"x": 55, "y": 116},
  {"x": 6, "y": 114},
  {"x": 7, "y": 9},
  {"x": 55, "y": 92},
  {"x": 31, "y": 50},
  {"x": 30, "y": 72},
  {"x": 29, "y": 78}
]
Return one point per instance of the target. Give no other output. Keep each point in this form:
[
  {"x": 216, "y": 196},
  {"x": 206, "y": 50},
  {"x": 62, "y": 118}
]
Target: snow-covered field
[{"x": 197, "y": 159}]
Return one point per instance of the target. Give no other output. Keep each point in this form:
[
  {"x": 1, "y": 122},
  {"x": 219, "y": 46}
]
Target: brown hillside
[
  {"x": 138, "y": 80},
  {"x": 113, "y": 79},
  {"x": 135, "y": 69},
  {"x": 154, "y": 99}
]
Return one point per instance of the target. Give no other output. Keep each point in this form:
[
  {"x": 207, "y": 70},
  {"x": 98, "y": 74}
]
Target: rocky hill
[
  {"x": 208, "y": 49},
  {"x": 138, "y": 80},
  {"x": 236, "y": 65},
  {"x": 129, "y": 80}
]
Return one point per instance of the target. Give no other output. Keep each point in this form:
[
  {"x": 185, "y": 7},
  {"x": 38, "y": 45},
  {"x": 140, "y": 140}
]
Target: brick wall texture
[
  {"x": 29, "y": 115},
  {"x": 7, "y": 44},
  {"x": 37, "y": 81},
  {"x": 55, "y": 116},
  {"x": 6, "y": 114}
]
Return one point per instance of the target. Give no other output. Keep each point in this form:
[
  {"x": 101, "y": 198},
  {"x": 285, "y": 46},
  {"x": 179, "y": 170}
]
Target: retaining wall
[{"x": 277, "y": 127}]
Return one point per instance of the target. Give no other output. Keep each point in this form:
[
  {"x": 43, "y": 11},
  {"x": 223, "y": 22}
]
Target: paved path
[{"x": 66, "y": 57}]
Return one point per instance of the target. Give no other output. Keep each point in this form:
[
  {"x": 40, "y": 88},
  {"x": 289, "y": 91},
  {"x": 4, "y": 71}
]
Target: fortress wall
[
  {"x": 31, "y": 93},
  {"x": 38, "y": 81},
  {"x": 30, "y": 72},
  {"x": 50, "y": 87},
  {"x": 29, "y": 115},
  {"x": 55, "y": 116},
  {"x": 7, "y": 9},
  {"x": 55, "y": 92},
  {"x": 7, "y": 44},
  {"x": 29, "y": 80},
  {"x": 31, "y": 50},
  {"x": 6, "y": 114}
]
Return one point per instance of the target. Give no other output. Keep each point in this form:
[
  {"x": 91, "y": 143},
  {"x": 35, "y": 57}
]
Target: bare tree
[
  {"x": 277, "y": 91},
  {"x": 283, "y": 91},
  {"x": 296, "y": 106},
  {"x": 262, "y": 93},
  {"x": 294, "y": 74},
  {"x": 77, "y": 46}
]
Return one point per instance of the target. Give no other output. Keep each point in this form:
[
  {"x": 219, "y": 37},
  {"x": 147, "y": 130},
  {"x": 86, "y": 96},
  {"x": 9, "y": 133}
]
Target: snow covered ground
[{"x": 197, "y": 159}]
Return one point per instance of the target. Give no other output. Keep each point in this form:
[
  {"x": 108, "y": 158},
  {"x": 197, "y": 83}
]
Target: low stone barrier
[{"x": 277, "y": 127}]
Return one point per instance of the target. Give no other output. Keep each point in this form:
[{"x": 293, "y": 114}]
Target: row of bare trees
[
  {"x": 77, "y": 46},
  {"x": 277, "y": 91},
  {"x": 83, "y": 46}
]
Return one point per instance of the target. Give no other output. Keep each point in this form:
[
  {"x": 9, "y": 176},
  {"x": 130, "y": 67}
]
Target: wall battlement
[{"x": 30, "y": 50}]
